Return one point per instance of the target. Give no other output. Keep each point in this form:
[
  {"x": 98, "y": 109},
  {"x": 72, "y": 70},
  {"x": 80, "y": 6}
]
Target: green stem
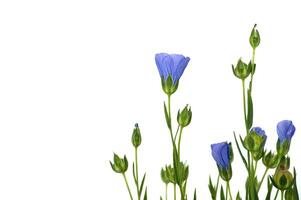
[
  {"x": 177, "y": 133},
  {"x": 252, "y": 73},
  {"x": 166, "y": 191},
  {"x": 136, "y": 167},
  {"x": 179, "y": 141},
  {"x": 282, "y": 195},
  {"x": 169, "y": 115},
  {"x": 244, "y": 104},
  {"x": 229, "y": 190},
  {"x": 276, "y": 195},
  {"x": 127, "y": 186},
  {"x": 264, "y": 174},
  {"x": 174, "y": 191},
  {"x": 256, "y": 162}
]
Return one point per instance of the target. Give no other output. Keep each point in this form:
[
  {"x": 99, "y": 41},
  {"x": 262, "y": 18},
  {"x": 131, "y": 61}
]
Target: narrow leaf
[
  {"x": 240, "y": 153},
  {"x": 167, "y": 117},
  {"x": 250, "y": 111}
]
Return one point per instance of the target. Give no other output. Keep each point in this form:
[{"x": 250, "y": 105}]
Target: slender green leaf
[
  {"x": 222, "y": 194},
  {"x": 167, "y": 117},
  {"x": 240, "y": 153},
  {"x": 250, "y": 111},
  {"x": 142, "y": 183}
]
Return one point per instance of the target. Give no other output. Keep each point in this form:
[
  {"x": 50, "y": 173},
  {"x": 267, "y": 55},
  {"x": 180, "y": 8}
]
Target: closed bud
[
  {"x": 136, "y": 136},
  {"x": 119, "y": 165},
  {"x": 170, "y": 173},
  {"x": 270, "y": 160},
  {"x": 282, "y": 179},
  {"x": 255, "y": 141},
  {"x": 242, "y": 70},
  {"x": 254, "y": 37},
  {"x": 225, "y": 173},
  {"x": 184, "y": 116},
  {"x": 182, "y": 173},
  {"x": 164, "y": 176}
]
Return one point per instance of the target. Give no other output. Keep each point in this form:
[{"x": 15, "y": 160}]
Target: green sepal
[
  {"x": 168, "y": 86},
  {"x": 283, "y": 148},
  {"x": 225, "y": 174}
]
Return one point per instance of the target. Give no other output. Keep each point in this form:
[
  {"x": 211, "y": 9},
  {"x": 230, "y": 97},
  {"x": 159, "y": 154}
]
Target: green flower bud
[
  {"x": 120, "y": 165},
  {"x": 164, "y": 176},
  {"x": 184, "y": 116},
  {"x": 255, "y": 140},
  {"x": 242, "y": 70},
  {"x": 283, "y": 148},
  {"x": 136, "y": 136},
  {"x": 282, "y": 179},
  {"x": 170, "y": 173},
  {"x": 168, "y": 86},
  {"x": 270, "y": 160},
  {"x": 254, "y": 37},
  {"x": 182, "y": 173}
]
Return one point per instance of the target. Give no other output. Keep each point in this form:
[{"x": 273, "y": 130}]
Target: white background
[{"x": 75, "y": 76}]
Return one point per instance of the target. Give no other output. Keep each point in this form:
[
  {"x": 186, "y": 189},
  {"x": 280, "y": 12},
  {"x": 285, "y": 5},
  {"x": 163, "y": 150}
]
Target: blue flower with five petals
[{"x": 172, "y": 65}]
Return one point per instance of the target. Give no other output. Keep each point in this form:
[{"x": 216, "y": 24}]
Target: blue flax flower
[
  {"x": 221, "y": 154},
  {"x": 172, "y": 65},
  {"x": 285, "y": 130}
]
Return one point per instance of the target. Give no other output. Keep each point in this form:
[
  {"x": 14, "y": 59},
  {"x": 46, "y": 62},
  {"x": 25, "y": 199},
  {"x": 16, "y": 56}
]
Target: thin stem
[
  {"x": 174, "y": 191},
  {"x": 256, "y": 162},
  {"x": 282, "y": 195},
  {"x": 229, "y": 190},
  {"x": 252, "y": 72},
  {"x": 127, "y": 186},
  {"x": 169, "y": 115},
  {"x": 177, "y": 133},
  {"x": 244, "y": 104},
  {"x": 276, "y": 195},
  {"x": 136, "y": 167},
  {"x": 179, "y": 141},
  {"x": 166, "y": 191},
  {"x": 264, "y": 174}
]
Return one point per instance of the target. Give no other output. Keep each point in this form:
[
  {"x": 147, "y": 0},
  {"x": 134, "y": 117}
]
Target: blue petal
[
  {"x": 168, "y": 66},
  {"x": 161, "y": 67},
  {"x": 181, "y": 67},
  {"x": 225, "y": 153},
  {"x": 259, "y": 131},
  {"x": 285, "y": 130},
  {"x": 221, "y": 154}
]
